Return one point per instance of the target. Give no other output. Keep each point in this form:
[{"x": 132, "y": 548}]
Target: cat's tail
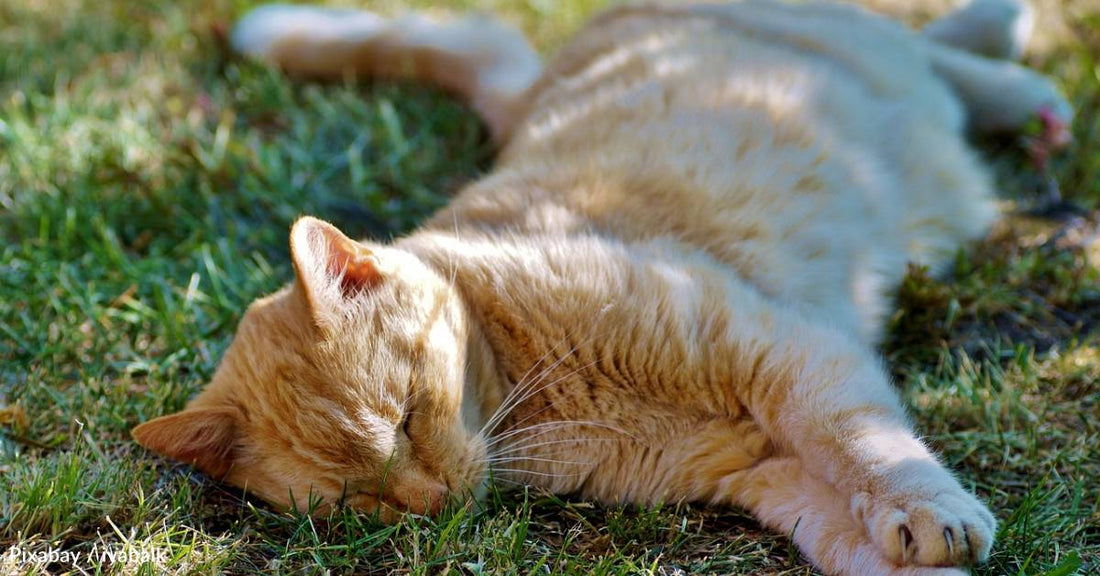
[
  {"x": 993, "y": 28},
  {"x": 1001, "y": 96},
  {"x": 971, "y": 49},
  {"x": 484, "y": 61}
]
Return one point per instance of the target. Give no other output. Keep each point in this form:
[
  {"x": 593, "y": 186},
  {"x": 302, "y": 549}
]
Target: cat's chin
[{"x": 390, "y": 511}]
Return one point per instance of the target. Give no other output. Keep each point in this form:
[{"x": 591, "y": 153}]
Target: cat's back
[{"x": 762, "y": 133}]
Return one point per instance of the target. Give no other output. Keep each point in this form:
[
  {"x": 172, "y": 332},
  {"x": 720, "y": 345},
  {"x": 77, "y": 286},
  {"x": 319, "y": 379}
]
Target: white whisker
[
  {"x": 493, "y": 461},
  {"x": 510, "y": 403},
  {"x": 521, "y": 447},
  {"x": 532, "y": 393},
  {"x": 558, "y": 424},
  {"x": 544, "y": 474},
  {"x": 451, "y": 256},
  {"x": 501, "y": 411},
  {"x": 519, "y": 388},
  {"x": 544, "y": 427},
  {"x": 526, "y": 418}
]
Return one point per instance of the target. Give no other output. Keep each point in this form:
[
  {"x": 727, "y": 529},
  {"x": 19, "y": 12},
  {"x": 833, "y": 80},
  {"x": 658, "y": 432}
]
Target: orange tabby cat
[{"x": 668, "y": 289}]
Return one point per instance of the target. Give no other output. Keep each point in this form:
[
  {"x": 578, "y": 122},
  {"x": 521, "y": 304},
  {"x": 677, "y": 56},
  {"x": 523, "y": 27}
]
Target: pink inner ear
[
  {"x": 332, "y": 269},
  {"x": 351, "y": 263}
]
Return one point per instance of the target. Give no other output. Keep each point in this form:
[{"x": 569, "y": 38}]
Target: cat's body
[{"x": 667, "y": 289}]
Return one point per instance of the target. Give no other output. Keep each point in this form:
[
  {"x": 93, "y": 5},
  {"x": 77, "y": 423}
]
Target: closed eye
[{"x": 405, "y": 428}]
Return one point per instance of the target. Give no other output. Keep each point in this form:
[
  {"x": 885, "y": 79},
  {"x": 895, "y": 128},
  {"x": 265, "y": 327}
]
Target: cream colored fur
[{"x": 667, "y": 289}]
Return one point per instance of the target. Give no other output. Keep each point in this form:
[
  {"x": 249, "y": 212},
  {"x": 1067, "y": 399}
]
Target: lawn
[{"x": 147, "y": 183}]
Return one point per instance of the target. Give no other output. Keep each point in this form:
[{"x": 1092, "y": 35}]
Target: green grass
[{"x": 147, "y": 182}]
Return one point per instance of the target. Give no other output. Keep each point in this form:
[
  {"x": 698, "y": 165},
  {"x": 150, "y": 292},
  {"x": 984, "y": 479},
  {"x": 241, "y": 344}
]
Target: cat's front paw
[{"x": 942, "y": 528}]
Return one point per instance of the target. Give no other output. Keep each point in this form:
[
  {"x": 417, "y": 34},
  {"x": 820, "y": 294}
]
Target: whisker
[
  {"x": 519, "y": 389},
  {"x": 521, "y": 447},
  {"x": 544, "y": 474},
  {"x": 540, "y": 426},
  {"x": 492, "y": 461},
  {"x": 545, "y": 355},
  {"x": 454, "y": 264},
  {"x": 532, "y": 393},
  {"x": 558, "y": 423},
  {"x": 509, "y": 404},
  {"x": 534, "y": 431},
  {"x": 528, "y": 417},
  {"x": 520, "y": 393},
  {"x": 409, "y": 399},
  {"x": 501, "y": 412}
]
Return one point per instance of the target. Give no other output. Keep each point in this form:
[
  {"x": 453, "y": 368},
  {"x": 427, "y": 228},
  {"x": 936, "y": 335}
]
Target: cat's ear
[
  {"x": 331, "y": 267},
  {"x": 202, "y": 437}
]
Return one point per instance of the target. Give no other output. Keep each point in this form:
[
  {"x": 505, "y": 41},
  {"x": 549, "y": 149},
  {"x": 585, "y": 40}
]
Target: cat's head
[{"x": 346, "y": 385}]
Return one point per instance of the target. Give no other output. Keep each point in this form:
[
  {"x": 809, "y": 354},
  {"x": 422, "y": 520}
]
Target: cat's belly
[{"x": 624, "y": 379}]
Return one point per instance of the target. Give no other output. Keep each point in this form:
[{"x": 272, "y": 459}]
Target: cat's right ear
[
  {"x": 202, "y": 437},
  {"x": 332, "y": 269}
]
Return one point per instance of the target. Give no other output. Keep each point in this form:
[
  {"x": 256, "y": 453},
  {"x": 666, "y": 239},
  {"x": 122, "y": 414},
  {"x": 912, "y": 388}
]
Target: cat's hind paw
[{"x": 949, "y": 528}]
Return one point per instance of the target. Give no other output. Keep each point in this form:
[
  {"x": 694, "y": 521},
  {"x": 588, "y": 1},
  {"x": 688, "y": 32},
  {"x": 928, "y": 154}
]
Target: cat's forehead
[{"x": 385, "y": 352}]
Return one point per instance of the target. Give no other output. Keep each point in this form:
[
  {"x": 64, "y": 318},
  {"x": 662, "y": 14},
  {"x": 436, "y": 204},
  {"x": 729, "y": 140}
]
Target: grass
[{"x": 147, "y": 182}]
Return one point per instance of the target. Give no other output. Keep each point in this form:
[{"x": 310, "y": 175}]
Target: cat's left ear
[
  {"x": 331, "y": 268},
  {"x": 202, "y": 437}
]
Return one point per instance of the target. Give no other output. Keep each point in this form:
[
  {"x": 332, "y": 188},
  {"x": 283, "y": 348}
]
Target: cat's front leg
[
  {"x": 926, "y": 519},
  {"x": 813, "y": 513},
  {"x": 822, "y": 396}
]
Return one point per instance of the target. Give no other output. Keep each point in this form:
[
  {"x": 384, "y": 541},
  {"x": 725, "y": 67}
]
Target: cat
[{"x": 669, "y": 288}]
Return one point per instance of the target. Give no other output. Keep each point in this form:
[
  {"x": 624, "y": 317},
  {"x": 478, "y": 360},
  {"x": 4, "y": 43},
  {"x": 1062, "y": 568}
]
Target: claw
[
  {"x": 906, "y": 538},
  {"x": 949, "y": 537}
]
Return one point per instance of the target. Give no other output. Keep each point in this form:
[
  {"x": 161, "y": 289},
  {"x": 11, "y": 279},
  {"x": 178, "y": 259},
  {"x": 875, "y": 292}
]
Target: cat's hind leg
[
  {"x": 785, "y": 497},
  {"x": 484, "y": 61}
]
